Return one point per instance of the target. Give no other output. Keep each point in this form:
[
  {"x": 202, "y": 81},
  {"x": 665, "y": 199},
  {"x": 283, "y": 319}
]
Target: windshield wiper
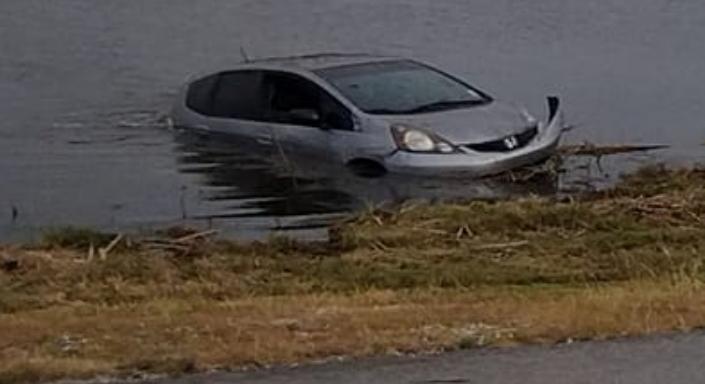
[
  {"x": 431, "y": 107},
  {"x": 446, "y": 104}
]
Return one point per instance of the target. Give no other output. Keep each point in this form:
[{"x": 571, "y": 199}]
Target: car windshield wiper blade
[
  {"x": 445, "y": 104},
  {"x": 435, "y": 106}
]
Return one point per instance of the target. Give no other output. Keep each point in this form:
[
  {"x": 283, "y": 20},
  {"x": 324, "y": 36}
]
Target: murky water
[{"x": 84, "y": 84}]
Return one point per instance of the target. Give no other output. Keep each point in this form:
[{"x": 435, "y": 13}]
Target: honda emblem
[{"x": 511, "y": 142}]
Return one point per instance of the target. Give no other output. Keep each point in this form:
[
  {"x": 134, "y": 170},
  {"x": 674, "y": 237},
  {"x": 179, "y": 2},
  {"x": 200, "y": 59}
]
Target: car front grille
[{"x": 506, "y": 144}]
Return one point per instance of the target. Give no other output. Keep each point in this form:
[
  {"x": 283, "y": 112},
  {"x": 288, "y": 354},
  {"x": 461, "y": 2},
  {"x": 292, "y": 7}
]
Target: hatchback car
[{"x": 397, "y": 114}]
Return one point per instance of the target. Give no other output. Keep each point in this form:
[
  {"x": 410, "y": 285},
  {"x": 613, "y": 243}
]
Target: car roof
[{"x": 323, "y": 60}]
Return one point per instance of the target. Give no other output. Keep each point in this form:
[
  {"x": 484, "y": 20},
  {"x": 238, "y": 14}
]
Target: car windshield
[{"x": 401, "y": 87}]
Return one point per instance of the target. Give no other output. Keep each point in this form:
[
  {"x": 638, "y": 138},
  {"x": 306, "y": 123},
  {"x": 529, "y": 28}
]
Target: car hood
[{"x": 475, "y": 124}]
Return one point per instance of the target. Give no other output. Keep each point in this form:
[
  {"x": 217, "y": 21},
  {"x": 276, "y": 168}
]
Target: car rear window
[
  {"x": 239, "y": 95},
  {"x": 200, "y": 95}
]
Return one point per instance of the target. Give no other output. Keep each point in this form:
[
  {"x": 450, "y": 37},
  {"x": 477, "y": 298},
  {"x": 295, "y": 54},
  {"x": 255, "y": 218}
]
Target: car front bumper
[{"x": 478, "y": 164}]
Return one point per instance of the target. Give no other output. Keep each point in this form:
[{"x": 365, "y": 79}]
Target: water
[{"x": 84, "y": 86}]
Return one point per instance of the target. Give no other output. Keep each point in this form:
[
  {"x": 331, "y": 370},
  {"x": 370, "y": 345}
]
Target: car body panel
[
  {"x": 371, "y": 137},
  {"x": 475, "y": 124},
  {"x": 476, "y": 164}
]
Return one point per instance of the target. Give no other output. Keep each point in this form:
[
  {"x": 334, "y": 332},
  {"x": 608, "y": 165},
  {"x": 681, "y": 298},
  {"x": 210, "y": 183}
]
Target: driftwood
[
  {"x": 91, "y": 252},
  {"x": 103, "y": 252},
  {"x": 600, "y": 151},
  {"x": 196, "y": 236},
  {"x": 589, "y": 149},
  {"x": 181, "y": 245},
  {"x": 464, "y": 231}
]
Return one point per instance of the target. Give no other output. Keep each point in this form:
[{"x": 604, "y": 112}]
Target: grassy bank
[{"x": 627, "y": 261}]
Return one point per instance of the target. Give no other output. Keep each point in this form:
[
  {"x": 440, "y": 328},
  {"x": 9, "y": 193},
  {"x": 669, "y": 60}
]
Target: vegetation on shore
[{"x": 422, "y": 277}]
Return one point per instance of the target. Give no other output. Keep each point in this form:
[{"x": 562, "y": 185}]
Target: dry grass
[
  {"x": 180, "y": 336},
  {"x": 423, "y": 277}
]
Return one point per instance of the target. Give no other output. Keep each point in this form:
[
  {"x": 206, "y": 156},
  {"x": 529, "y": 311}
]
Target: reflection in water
[{"x": 250, "y": 180}]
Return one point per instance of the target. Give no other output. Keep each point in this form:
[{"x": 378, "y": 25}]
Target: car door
[
  {"x": 305, "y": 118},
  {"x": 238, "y": 107}
]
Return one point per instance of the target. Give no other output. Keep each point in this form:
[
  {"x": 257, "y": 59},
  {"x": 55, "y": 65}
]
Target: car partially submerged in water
[{"x": 385, "y": 113}]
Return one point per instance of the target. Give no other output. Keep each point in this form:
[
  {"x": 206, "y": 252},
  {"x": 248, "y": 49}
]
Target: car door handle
[{"x": 265, "y": 140}]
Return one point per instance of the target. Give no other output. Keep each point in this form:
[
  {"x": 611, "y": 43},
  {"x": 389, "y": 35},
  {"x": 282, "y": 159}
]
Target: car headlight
[{"x": 417, "y": 140}]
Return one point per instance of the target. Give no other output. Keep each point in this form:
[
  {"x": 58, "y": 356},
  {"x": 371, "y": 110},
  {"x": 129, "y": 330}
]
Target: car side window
[
  {"x": 298, "y": 101},
  {"x": 200, "y": 95},
  {"x": 238, "y": 95}
]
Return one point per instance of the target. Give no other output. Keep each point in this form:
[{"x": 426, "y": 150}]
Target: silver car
[{"x": 386, "y": 113}]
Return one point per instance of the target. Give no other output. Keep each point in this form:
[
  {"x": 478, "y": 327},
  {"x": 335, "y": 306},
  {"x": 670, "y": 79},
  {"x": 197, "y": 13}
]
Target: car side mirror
[{"x": 305, "y": 116}]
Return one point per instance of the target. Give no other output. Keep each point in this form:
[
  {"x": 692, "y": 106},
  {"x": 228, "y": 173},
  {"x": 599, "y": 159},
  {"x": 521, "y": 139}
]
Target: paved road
[{"x": 663, "y": 360}]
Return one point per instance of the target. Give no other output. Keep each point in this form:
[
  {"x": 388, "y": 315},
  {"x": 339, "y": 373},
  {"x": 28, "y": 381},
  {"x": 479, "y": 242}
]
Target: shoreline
[{"x": 426, "y": 277}]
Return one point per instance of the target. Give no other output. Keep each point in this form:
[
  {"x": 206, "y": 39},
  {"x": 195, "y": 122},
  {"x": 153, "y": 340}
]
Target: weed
[{"x": 75, "y": 238}]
